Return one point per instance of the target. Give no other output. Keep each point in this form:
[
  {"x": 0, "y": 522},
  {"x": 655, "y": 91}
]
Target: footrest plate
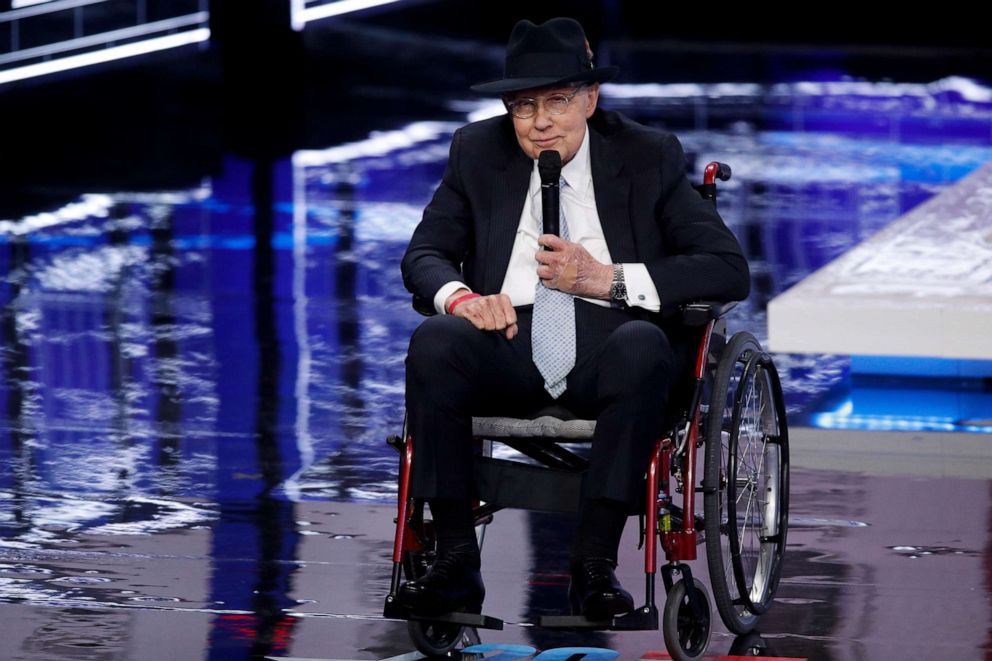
[
  {"x": 394, "y": 611},
  {"x": 479, "y": 621},
  {"x": 644, "y": 618}
]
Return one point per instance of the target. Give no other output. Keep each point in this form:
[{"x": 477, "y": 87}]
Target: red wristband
[{"x": 463, "y": 297}]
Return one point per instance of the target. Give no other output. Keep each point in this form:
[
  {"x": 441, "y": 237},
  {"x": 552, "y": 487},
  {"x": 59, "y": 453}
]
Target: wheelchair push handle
[{"x": 716, "y": 170}]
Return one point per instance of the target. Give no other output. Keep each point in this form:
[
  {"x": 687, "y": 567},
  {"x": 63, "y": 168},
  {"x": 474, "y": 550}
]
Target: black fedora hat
[{"x": 552, "y": 53}]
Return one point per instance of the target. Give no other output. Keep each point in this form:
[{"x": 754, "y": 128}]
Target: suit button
[{"x": 640, "y": 297}]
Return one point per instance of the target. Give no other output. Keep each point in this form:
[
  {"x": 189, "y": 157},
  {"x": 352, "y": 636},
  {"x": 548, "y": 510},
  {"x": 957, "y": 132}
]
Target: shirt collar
[{"x": 576, "y": 173}]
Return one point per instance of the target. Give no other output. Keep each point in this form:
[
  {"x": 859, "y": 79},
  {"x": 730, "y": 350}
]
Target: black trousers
[{"x": 625, "y": 367}]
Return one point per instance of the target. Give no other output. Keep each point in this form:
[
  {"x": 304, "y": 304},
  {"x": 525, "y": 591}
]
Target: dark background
[{"x": 261, "y": 90}]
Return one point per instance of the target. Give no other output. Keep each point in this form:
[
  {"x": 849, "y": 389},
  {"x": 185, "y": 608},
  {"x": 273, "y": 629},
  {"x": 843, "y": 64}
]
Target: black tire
[
  {"x": 686, "y": 636},
  {"x": 746, "y": 517},
  {"x": 434, "y": 638}
]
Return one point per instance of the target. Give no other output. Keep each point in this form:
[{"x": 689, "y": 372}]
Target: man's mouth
[{"x": 546, "y": 142}]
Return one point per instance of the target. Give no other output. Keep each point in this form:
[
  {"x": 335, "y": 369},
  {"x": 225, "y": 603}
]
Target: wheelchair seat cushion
[{"x": 551, "y": 422}]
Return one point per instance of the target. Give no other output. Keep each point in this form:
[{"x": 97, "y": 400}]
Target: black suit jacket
[{"x": 648, "y": 209}]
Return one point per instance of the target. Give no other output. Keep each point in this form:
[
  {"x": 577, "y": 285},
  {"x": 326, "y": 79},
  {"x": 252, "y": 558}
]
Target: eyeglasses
[{"x": 526, "y": 107}]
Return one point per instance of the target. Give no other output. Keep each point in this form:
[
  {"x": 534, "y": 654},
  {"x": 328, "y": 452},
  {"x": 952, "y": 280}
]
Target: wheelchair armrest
[
  {"x": 423, "y": 306},
  {"x": 700, "y": 313}
]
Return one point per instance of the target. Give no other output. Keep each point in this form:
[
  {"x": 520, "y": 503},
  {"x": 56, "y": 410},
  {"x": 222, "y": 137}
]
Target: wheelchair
[{"x": 730, "y": 407}]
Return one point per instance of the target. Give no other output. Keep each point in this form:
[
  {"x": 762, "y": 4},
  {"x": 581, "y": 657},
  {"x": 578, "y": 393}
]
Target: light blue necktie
[{"x": 553, "y": 328}]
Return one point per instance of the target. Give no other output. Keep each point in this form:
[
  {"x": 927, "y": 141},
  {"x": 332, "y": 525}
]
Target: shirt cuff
[
  {"x": 640, "y": 287},
  {"x": 449, "y": 288}
]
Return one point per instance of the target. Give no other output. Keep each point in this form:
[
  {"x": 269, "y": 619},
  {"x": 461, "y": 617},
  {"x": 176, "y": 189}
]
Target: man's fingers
[
  {"x": 552, "y": 258},
  {"x": 493, "y": 312},
  {"x": 508, "y": 312},
  {"x": 552, "y": 241},
  {"x": 490, "y": 309},
  {"x": 498, "y": 315}
]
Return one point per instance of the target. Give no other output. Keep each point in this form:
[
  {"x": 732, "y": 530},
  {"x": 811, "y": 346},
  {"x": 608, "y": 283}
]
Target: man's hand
[
  {"x": 493, "y": 312},
  {"x": 570, "y": 268}
]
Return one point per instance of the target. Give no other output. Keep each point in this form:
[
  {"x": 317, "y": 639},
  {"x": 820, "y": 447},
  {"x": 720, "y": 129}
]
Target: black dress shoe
[
  {"x": 453, "y": 583},
  {"x": 594, "y": 590}
]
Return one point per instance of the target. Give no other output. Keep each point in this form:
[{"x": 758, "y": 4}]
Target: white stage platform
[{"x": 920, "y": 287}]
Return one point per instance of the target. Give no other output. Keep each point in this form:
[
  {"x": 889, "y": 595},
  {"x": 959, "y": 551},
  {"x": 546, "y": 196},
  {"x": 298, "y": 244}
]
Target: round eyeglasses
[{"x": 526, "y": 107}]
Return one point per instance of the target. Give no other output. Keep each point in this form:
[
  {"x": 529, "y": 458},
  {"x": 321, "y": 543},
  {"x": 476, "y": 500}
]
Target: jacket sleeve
[
  {"x": 704, "y": 259},
  {"x": 441, "y": 239}
]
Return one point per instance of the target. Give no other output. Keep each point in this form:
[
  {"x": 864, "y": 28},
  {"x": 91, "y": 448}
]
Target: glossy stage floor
[
  {"x": 888, "y": 558},
  {"x": 198, "y": 384}
]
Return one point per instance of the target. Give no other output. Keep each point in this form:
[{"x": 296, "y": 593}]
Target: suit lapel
[
  {"x": 509, "y": 189},
  {"x": 612, "y": 188}
]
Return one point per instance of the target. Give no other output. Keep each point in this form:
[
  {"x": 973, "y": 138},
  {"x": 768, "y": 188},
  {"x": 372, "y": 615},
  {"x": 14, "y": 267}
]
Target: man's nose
[{"x": 542, "y": 119}]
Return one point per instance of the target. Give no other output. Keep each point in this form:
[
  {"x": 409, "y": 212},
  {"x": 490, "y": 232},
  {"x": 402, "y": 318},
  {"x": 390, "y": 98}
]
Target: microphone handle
[{"x": 549, "y": 208}]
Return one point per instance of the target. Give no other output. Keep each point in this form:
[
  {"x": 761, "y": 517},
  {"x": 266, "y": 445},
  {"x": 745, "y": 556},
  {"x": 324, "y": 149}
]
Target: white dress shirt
[{"x": 578, "y": 202}]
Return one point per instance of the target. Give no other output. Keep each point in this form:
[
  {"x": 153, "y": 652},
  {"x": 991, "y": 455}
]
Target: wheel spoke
[{"x": 749, "y": 481}]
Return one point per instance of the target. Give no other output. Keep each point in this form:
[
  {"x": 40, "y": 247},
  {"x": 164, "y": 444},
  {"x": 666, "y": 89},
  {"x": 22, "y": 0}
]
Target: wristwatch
[{"x": 618, "y": 289}]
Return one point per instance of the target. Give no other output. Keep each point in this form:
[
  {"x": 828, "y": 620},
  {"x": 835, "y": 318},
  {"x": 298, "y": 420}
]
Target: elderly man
[{"x": 523, "y": 319}]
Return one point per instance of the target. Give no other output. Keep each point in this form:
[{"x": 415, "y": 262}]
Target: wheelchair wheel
[
  {"x": 686, "y": 636},
  {"x": 746, "y": 483},
  {"x": 430, "y": 638},
  {"x": 434, "y": 638}
]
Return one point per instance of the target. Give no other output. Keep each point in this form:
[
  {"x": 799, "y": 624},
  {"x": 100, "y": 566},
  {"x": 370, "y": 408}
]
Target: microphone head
[{"x": 549, "y": 166}]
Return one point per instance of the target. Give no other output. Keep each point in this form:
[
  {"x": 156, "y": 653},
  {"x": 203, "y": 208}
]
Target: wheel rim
[
  {"x": 740, "y": 610},
  {"x": 752, "y": 516},
  {"x": 693, "y": 632},
  {"x": 686, "y": 636}
]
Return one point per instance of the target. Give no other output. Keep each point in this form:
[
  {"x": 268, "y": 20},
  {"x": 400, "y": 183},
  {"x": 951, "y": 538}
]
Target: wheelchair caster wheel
[
  {"x": 686, "y": 635},
  {"x": 434, "y": 638}
]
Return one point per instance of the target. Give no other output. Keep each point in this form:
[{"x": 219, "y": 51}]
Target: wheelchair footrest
[
  {"x": 476, "y": 620},
  {"x": 394, "y": 611},
  {"x": 644, "y": 618}
]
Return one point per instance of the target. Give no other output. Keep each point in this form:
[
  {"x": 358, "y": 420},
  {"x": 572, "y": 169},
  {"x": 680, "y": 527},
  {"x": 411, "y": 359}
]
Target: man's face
[{"x": 563, "y": 132}]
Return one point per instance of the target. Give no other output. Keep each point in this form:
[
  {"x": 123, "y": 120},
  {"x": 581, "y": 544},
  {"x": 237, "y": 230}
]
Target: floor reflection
[{"x": 256, "y": 534}]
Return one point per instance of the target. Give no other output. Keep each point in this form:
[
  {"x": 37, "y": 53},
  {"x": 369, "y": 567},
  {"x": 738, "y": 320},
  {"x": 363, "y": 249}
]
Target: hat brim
[{"x": 505, "y": 85}]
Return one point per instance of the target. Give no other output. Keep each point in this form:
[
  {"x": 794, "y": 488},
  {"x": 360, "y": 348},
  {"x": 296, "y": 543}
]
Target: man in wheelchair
[{"x": 522, "y": 319}]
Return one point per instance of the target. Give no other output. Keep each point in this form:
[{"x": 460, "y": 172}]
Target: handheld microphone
[{"x": 549, "y": 167}]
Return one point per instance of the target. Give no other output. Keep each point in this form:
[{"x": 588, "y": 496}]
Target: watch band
[{"x": 618, "y": 288}]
